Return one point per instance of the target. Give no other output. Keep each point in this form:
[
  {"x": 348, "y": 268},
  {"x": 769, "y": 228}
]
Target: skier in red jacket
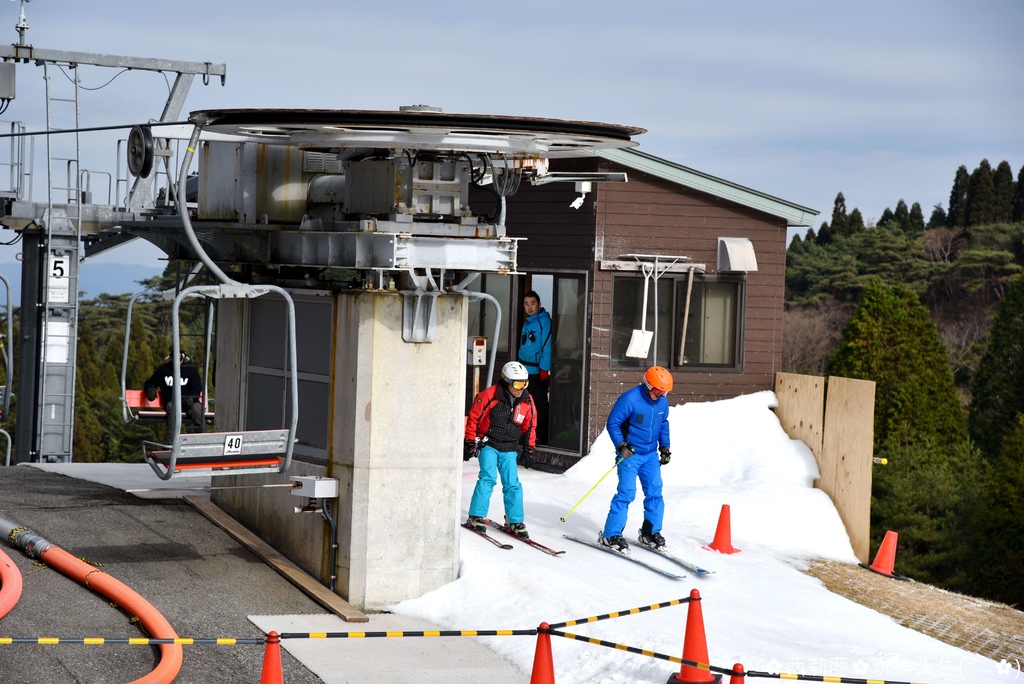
[{"x": 502, "y": 416}]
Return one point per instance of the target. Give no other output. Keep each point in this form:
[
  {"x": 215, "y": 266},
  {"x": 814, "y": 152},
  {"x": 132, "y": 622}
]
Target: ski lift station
[{"x": 363, "y": 277}]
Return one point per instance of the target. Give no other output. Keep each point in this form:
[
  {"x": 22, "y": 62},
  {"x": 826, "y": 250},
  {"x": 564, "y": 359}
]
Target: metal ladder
[{"x": 62, "y": 247}]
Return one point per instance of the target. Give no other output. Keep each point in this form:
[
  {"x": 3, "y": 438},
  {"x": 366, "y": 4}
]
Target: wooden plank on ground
[{"x": 284, "y": 567}]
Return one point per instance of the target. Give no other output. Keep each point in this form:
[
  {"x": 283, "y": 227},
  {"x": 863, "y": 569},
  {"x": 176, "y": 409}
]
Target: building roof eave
[{"x": 794, "y": 214}]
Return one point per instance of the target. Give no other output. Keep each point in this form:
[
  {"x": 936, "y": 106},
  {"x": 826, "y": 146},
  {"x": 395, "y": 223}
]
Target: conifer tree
[
  {"x": 89, "y": 403},
  {"x": 855, "y": 222},
  {"x": 998, "y": 389},
  {"x": 919, "y": 427},
  {"x": 886, "y": 218},
  {"x": 981, "y": 196},
  {"x": 957, "y": 214},
  {"x": 891, "y": 340},
  {"x": 915, "y": 221},
  {"x": 1018, "y": 197},
  {"x": 839, "y": 227},
  {"x": 998, "y": 558},
  {"x": 1002, "y": 187},
  {"x": 826, "y": 236},
  {"x": 901, "y": 216},
  {"x": 938, "y": 218}
]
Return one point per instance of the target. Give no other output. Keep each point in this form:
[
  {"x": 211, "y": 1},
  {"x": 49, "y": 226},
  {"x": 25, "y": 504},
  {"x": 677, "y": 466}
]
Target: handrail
[
  {"x": 126, "y": 412},
  {"x": 6, "y": 350}
]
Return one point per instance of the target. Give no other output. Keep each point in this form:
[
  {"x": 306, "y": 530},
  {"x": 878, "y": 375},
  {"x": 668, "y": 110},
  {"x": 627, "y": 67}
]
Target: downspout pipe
[
  {"x": 152, "y": 621},
  {"x": 461, "y": 288}
]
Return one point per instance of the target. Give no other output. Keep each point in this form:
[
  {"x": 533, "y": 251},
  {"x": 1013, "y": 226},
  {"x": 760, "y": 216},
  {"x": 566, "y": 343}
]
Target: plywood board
[
  {"x": 846, "y": 453},
  {"x": 802, "y": 408}
]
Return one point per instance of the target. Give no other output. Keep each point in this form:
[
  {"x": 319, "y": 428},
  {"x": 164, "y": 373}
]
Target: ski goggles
[{"x": 519, "y": 384}]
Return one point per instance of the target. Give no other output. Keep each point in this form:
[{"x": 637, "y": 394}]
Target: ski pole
[{"x": 562, "y": 519}]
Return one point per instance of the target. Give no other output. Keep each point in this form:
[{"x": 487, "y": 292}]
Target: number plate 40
[{"x": 233, "y": 445}]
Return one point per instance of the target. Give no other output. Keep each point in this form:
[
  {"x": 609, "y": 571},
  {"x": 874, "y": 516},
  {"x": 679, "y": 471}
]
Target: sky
[
  {"x": 798, "y": 99},
  {"x": 758, "y": 608}
]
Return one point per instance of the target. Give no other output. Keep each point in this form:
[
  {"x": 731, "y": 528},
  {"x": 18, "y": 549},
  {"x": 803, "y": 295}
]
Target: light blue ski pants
[{"x": 504, "y": 462}]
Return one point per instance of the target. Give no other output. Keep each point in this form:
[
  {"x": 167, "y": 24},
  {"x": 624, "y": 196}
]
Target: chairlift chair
[
  {"x": 135, "y": 406},
  {"x": 226, "y": 453}
]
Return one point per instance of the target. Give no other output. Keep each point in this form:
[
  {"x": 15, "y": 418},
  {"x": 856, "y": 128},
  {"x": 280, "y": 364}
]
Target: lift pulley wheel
[{"x": 140, "y": 151}]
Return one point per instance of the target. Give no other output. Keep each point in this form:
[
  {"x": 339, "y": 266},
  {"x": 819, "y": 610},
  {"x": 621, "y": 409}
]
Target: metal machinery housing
[{"x": 296, "y": 198}]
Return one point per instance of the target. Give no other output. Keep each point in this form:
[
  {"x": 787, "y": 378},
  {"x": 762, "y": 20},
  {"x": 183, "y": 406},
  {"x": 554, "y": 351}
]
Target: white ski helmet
[{"x": 513, "y": 370}]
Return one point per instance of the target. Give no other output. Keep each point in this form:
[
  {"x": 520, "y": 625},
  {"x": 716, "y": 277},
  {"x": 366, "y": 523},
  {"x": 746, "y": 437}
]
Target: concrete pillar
[{"x": 395, "y": 447}]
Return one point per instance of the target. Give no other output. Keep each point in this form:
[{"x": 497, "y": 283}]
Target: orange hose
[
  {"x": 10, "y": 584},
  {"x": 154, "y": 623}
]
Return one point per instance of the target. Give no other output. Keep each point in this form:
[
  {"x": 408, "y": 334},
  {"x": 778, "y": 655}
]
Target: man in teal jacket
[
  {"x": 638, "y": 426},
  {"x": 535, "y": 354}
]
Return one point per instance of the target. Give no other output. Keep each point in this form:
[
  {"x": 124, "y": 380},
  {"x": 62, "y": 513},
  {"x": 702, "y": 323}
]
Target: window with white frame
[{"x": 713, "y": 324}]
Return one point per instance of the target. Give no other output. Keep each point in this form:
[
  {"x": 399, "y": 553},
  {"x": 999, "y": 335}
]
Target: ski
[
  {"x": 539, "y": 547},
  {"x": 487, "y": 537},
  {"x": 655, "y": 568},
  {"x": 695, "y": 569}
]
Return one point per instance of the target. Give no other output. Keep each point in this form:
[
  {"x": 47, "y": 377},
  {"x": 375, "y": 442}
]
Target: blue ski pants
[
  {"x": 504, "y": 462},
  {"x": 648, "y": 468}
]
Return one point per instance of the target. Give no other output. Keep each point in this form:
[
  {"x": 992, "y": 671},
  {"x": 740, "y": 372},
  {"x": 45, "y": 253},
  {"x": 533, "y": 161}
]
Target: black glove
[
  {"x": 151, "y": 393},
  {"x": 625, "y": 451},
  {"x": 469, "y": 450},
  {"x": 527, "y": 457},
  {"x": 666, "y": 455}
]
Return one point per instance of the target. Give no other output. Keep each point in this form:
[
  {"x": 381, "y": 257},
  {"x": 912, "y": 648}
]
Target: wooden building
[{"x": 587, "y": 261}]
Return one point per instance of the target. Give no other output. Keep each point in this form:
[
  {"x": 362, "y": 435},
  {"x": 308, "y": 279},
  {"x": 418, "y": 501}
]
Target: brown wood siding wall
[
  {"x": 650, "y": 216},
  {"x": 558, "y": 237}
]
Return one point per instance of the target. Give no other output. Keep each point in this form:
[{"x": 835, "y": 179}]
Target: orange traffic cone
[
  {"x": 695, "y": 647},
  {"x": 543, "y": 665},
  {"x": 273, "y": 672},
  {"x": 723, "y": 534},
  {"x": 886, "y": 557},
  {"x": 738, "y": 674}
]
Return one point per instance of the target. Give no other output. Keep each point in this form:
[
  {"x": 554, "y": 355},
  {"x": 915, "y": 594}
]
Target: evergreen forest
[
  {"x": 932, "y": 311},
  {"x": 101, "y": 434}
]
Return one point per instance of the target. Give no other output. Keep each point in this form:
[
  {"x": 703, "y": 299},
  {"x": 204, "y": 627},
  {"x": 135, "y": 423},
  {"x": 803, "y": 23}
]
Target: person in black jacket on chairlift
[{"x": 162, "y": 383}]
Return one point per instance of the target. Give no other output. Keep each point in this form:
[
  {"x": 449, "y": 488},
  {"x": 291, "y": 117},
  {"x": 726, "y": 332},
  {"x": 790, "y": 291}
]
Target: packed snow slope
[{"x": 759, "y": 609}]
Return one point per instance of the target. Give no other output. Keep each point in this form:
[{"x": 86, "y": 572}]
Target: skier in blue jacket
[
  {"x": 638, "y": 426},
  {"x": 535, "y": 354}
]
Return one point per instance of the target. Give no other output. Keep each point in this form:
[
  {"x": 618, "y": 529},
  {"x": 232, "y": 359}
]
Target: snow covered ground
[{"x": 758, "y": 608}]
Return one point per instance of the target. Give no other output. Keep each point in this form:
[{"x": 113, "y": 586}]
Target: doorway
[{"x": 564, "y": 295}]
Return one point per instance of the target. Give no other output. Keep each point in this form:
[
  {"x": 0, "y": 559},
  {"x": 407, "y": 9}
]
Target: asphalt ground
[
  {"x": 197, "y": 576},
  {"x": 204, "y": 583}
]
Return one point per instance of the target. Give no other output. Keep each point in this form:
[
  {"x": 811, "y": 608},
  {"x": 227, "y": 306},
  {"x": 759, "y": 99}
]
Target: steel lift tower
[{"x": 56, "y": 231}]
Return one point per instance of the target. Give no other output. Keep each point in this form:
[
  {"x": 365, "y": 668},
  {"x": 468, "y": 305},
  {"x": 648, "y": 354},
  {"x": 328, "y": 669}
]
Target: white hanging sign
[{"x": 58, "y": 282}]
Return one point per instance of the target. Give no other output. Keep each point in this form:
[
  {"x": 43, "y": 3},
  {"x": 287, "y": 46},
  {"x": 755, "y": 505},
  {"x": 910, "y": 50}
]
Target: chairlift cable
[{"x": 92, "y": 129}]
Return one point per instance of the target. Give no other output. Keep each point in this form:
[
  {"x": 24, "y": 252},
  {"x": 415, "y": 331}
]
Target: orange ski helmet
[{"x": 658, "y": 378}]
